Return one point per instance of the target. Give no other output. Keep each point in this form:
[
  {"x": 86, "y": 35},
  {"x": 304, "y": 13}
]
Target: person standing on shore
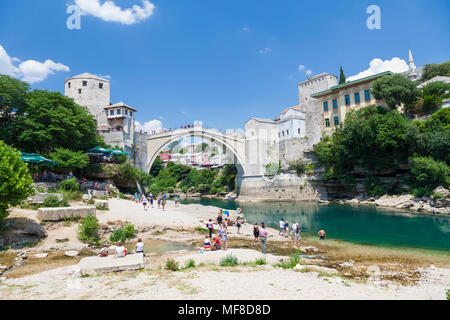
[
  {"x": 238, "y": 224},
  {"x": 281, "y": 223},
  {"x": 210, "y": 226},
  {"x": 223, "y": 230},
  {"x": 286, "y": 229},
  {"x": 294, "y": 229},
  {"x": 263, "y": 237},
  {"x": 256, "y": 231},
  {"x": 163, "y": 203},
  {"x": 176, "y": 200},
  {"x": 219, "y": 218},
  {"x": 298, "y": 237},
  {"x": 158, "y": 200}
]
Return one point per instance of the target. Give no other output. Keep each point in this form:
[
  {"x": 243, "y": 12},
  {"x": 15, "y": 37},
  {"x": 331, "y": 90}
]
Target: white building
[
  {"x": 291, "y": 123},
  {"x": 115, "y": 122}
]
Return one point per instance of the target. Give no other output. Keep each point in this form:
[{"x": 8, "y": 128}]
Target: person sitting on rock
[
  {"x": 120, "y": 250},
  {"x": 216, "y": 244},
  {"x": 104, "y": 251}
]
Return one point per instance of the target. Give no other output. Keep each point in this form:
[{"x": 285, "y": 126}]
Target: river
[{"x": 359, "y": 224}]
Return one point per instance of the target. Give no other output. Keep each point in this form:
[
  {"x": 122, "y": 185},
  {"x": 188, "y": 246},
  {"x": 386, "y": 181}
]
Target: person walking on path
[
  {"x": 136, "y": 197},
  {"x": 256, "y": 231},
  {"x": 144, "y": 202},
  {"x": 163, "y": 203},
  {"x": 263, "y": 237},
  {"x": 158, "y": 200},
  {"x": 176, "y": 200},
  {"x": 151, "y": 199}
]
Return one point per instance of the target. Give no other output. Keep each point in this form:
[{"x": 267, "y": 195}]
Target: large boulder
[
  {"x": 55, "y": 214},
  {"x": 441, "y": 197},
  {"x": 104, "y": 204},
  {"x": 93, "y": 265},
  {"x": 39, "y": 197}
]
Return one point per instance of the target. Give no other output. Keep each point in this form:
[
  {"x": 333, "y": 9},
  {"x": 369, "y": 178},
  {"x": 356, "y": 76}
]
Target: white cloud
[
  {"x": 265, "y": 50},
  {"x": 109, "y": 11},
  {"x": 30, "y": 70},
  {"x": 308, "y": 72},
  {"x": 377, "y": 65},
  {"x": 149, "y": 126},
  {"x": 301, "y": 67}
]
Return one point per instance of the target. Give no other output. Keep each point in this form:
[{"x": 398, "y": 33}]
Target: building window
[
  {"x": 282, "y": 133},
  {"x": 131, "y": 114},
  {"x": 126, "y": 112},
  {"x": 84, "y": 83},
  {"x": 367, "y": 95},
  {"x": 298, "y": 130},
  {"x": 100, "y": 85},
  {"x": 347, "y": 99},
  {"x": 79, "y": 91},
  {"x": 327, "y": 122},
  {"x": 357, "y": 100},
  {"x": 336, "y": 121},
  {"x": 325, "y": 106},
  {"x": 111, "y": 112},
  {"x": 118, "y": 111},
  {"x": 287, "y": 132},
  {"x": 335, "y": 104},
  {"x": 68, "y": 85}
]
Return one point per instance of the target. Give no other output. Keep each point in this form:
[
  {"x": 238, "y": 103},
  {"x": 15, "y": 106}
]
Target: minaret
[{"x": 412, "y": 73}]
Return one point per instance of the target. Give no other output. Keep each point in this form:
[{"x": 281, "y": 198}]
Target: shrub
[
  {"x": 70, "y": 185},
  {"x": 437, "y": 196},
  {"x": 272, "y": 169},
  {"x": 129, "y": 231},
  {"x": 51, "y": 202},
  {"x": 294, "y": 259},
  {"x": 88, "y": 230},
  {"x": 172, "y": 265},
  {"x": 429, "y": 174},
  {"x": 229, "y": 261},
  {"x": 190, "y": 264},
  {"x": 260, "y": 261},
  {"x": 118, "y": 235}
]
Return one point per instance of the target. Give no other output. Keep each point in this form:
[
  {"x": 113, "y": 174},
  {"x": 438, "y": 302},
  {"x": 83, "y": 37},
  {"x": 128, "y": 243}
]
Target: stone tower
[
  {"x": 412, "y": 70},
  {"x": 90, "y": 91}
]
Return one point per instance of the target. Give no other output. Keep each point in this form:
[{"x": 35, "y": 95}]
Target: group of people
[
  {"x": 284, "y": 230},
  {"x": 147, "y": 200},
  {"x": 120, "y": 251},
  {"x": 222, "y": 240}
]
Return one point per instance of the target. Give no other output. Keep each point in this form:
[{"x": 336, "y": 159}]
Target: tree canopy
[
  {"x": 435, "y": 69},
  {"x": 341, "y": 76},
  {"x": 15, "y": 179},
  {"x": 69, "y": 160},
  {"x": 396, "y": 90},
  {"x": 50, "y": 120}
]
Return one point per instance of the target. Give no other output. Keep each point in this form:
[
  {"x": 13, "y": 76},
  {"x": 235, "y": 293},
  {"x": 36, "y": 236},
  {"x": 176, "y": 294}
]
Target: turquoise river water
[{"x": 359, "y": 224}]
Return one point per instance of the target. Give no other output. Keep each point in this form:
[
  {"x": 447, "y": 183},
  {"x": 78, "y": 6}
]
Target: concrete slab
[
  {"x": 92, "y": 265},
  {"x": 55, "y": 214}
]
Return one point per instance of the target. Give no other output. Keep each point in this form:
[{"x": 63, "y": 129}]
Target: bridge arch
[{"x": 234, "y": 145}]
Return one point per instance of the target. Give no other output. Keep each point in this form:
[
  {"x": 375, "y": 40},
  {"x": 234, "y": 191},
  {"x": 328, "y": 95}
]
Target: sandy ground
[
  {"x": 201, "y": 282},
  {"x": 263, "y": 282}
]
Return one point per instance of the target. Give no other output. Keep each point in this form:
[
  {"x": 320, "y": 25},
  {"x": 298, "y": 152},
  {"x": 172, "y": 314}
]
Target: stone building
[
  {"x": 115, "y": 122},
  {"x": 335, "y": 102}
]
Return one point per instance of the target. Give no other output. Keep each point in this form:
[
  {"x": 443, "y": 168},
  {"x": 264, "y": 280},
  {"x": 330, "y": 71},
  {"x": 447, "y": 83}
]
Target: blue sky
[{"x": 221, "y": 62}]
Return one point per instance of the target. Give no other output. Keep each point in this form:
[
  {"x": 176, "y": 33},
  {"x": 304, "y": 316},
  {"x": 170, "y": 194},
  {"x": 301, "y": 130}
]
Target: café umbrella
[{"x": 36, "y": 159}]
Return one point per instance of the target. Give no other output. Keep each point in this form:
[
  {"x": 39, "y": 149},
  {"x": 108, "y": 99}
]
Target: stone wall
[
  {"x": 55, "y": 214},
  {"x": 279, "y": 187}
]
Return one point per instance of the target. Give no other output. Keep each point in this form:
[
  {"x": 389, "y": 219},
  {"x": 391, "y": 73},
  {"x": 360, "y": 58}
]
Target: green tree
[
  {"x": 438, "y": 89},
  {"x": 15, "y": 180},
  {"x": 69, "y": 160},
  {"x": 49, "y": 120},
  {"x": 396, "y": 90},
  {"x": 156, "y": 167},
  {"x": 341, "y": 76},
  {"x": 429, "y": 174},
  {"x": 126, "y": 174},
  {"x": 433, "y": 70}
]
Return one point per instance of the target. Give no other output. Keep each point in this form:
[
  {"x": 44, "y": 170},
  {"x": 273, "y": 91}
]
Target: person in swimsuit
[
  {"x": 321, "y": 234},
  {"x": 256, "y": 231},
  {"x": 263, "y": 237}
]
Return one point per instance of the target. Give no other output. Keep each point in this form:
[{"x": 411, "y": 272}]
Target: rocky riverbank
[{"x": 438, "y": 204}]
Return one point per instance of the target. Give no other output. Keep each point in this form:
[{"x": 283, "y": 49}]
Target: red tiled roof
[{"x": 295, "y": 107}]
